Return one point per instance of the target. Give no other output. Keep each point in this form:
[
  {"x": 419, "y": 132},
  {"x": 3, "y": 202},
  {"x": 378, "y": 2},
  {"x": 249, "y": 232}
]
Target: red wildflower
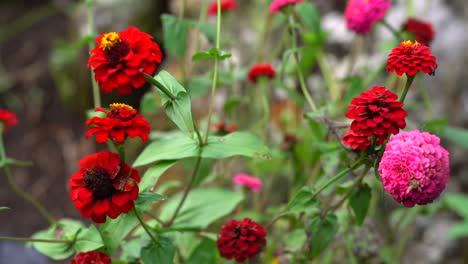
[
  {"x": 361, "y": 141},
  {"x": 423, "y": 31},
  {"x": 120, "y": 121},
  {"x": 104, "y": 186},
  {"x": 8, "y": 119},
  {"x": 289, "y": 140},
  {"x": 410, "y": 58},
  {"x": 119, "y": 60},
  {"x": 376, "y": 112},
  {"x": 261, "y": 70},
  {"x": 91, "y": 257},
  {"x": 226, "y": 5},
  {"x": 241, "y": 240},
  {"x": 222, "y": 128}
]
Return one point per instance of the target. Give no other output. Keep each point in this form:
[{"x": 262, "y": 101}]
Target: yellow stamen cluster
[
  {"x": 409, "y": 43},
  {"x": 109, "y": 40},
  {"x": 120, "y": 106}
]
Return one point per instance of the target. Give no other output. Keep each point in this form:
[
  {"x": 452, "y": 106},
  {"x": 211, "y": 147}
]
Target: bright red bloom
[
  {"x": 423, "y": 31},
  {"x": 91, "y": 257},
  {"x": 361, "y": 141},
  {"x": 222, "y": 128},
  {"x": 226, "y": 5},
  {"x": 241, "y": 240},
  {"x": 104, "y": 186},
  {"x": 120, "y": 59},
  {"x": 8, "y": 119},
  {"x": 261, "y": 70},
  {"x": 121, "y": 121},
  {"x": 376, "y": 112},
  {"x": 410, "y": 58}
]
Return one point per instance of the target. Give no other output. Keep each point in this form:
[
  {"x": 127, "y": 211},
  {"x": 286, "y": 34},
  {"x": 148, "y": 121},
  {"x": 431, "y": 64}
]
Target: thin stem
[
  {"x": 183, "y": 69},
  {"x": 328, "y": 76},
  {"x": 161, "y": 87},
  {"x": 145, "y": 227},
  {"x": 395, "y": 32},
  {"x": 215, "y": 71},
  {"x": 276, "y": 218},
  {"x": 265, "y": 104},
  {"x": 409, "y": 81},
  {"x": 263, "y": 36},
  {"x": 161, "y": 222},
  {"x": 183, "y": 4},
  {"x": 121, "y": 149},
  {"x": 186, "y": 192},
  {"x": 302, "y": 82},
  {"x": 27, "y": 239},
  {"x": 90, "y": 13},
  {"x": 201, "y": 18}
]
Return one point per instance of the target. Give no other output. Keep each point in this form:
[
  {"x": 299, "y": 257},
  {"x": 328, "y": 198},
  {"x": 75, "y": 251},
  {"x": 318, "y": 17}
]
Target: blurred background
[{"x": 44, "y": 79}]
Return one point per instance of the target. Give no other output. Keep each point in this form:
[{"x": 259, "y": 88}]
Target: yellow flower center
[
  {"x": 109, "y": 40},
  {"x": 409, "y": 44},
  {"x": 120, "y": 106}
]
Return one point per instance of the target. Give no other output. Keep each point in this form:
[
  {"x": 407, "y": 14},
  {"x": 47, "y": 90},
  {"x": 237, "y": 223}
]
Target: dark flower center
[
  {"x": 118, "y": 51},
  {"x": 99, "y": 182}
]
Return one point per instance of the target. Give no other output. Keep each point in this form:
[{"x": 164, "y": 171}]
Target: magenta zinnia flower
[
  {"x": 361, "y": 15},
  {"x": 277, "y": 5},
  {"x": 254, "y": 184},
  {"x": 414, "y": 168}
]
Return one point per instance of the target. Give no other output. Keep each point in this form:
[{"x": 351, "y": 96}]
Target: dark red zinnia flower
[
  {"x": 226, "y": 5},
  {"x": 119, "y": 60},
  {"x": 104, "y": 186},
  {"x": 376, "y": 112},
  {"x": 410, "y": 58},
  {"x": 261, "y": 70},
  {"x": 361, "y": 141},
  {"x": 8, "y": 119},
  {"x": 221, "y": 128},
  {"x": 289, "y": 140},
  {"x": 91, "y": 257},
  {"x": 241, "y": 240},
  {"x": 423, "y": 31},
  {"x": 121, "y": 121}
]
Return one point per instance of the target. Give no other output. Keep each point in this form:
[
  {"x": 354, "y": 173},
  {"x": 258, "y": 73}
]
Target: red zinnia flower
[
  {"x": 222, "y": 128},
  {"x": 376, "y": 112},
  {"x": 91, "y": 257},
  {"x": 8, "y": 119},
  {"x": 241, "y": 240},
  {"x": 119, "y": 60},
  {"x": 120, "y": 121},
  {"x": 104, "y": 186},
  {"x": 423, "y": 31},
  {"x": 261, "y": 70},
  {"x": 361, "y": 141},
  {"x": 410, "y": 58},
  {"x": 226, "y": 5}
]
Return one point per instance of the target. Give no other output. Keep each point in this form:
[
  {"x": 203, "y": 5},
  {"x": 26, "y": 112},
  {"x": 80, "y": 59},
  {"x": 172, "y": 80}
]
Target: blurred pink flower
[
  {"x": 254, "y": 184},
  {"x": 276, "y": 5},
  {"x": 361, "y": 15},
  {"x": 414, "y": 168}
]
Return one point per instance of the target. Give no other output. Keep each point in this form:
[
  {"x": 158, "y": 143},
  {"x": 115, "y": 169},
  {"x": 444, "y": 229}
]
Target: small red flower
[
  {"x": 410, "y": 58},
  {"x": 91, "y": 257},
  {"x": 423, "y": 31},
  {"x": 8, "y": 119},
  {"x": 241, "y": 240},
  {"x": 119, "y": 60},
  {"x": 104, "y": 186},
  {"x": 376, "y": 112},
  {"x": 261, "y": 70},
  {"x": 289, "y": 140},
  {"x": 222, "y": 128},
  {"x": 226, "y": 5},
  {"x": 121, "y": 121}
]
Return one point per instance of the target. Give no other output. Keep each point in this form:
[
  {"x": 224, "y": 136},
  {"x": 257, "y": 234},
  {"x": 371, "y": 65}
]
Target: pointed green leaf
[
  {"x": 360, "y": 200},
  {"x": 88, "y": 239},
  {"x": 457, "y": 202},
  {"x": 151, "y": 176},
  {"x": 3, "y": 208},
  {"x": 456, "y": 135},
  {"x": 175, "y": 34},
  {"x": 150, "y": 196},
  {"x": 113, "y": 231},
  {"x": 163, "y": 252},
  {"x": 323, "y": 232},
  {"x": 234, "y": 144},
  {"x": 206, "y": 253},
  {"x": 302, "y": 201}
]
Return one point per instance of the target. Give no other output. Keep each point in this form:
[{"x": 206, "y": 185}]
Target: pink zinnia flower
[
  {"x": 361, "y": 15},
  {"x": 414, "y": 168},
  {"x": 255, "y": 184},
  {"x": 277, "y": 5}
]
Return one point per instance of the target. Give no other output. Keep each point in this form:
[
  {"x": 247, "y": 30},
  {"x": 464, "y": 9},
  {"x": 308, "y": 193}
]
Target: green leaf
[
  {"x": 294, "y": 240},
  {"x": 212, "y": 54},
  {"x": 208, "y": 29},
  {"x": 323, "y": 231},
  {"x": 151, "y": 176},
  {"x": 163, "y": 252},
  {"x": 205, "y": 252},
  {"x": 198, "y": 86},
  {"x": 88, "y": 239},
  {"x": 178, "y": 110},
  {"x": 456, "y": 135},
  {"x": 66, "y": 229},
  {"x": 4, "y": 208},
  {"x": 458, "y": 230},
  {"x": 434, "y": 125},
  {"x": 148, "y": 104},
  {"x": 131, "y": 250},
  {"x": 175, "y": 34},
  {"x": 457, "y": 202},
  {"x": 360, "y": 200},
  {"x": 309, "y": 16},
  {"x": 202, "y": 207},
  {"x": 172, "y": 148},
  {"x": 302, "y": 201},
  {"x": 233, "y": 144},
  {"x": 115, "y": 230},
  {"x": 150, "y": 197}
]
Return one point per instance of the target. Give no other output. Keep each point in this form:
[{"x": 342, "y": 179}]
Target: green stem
[
  {"x": 328, "y": 76},
  {"x": 215, "y": 70},
  {"x": 121, "y": 149},
  {"x": 183, "y": 4},
  {"x": 409, "y": 81},
  {"x": 302, "y": 82},
  {"x": 265, "y": 104},
  {"x": 161, "y": 87},
  {"x": 27, "y": 239},
  {"x": 201, "y": 18},
  {"x": 263, "y": 36},
  {"x": 90, "y": 13},
  {"x": 155, "y": 241},
  {"x": 425, "y": 96},
  {"x": 395, "y": 32}
]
